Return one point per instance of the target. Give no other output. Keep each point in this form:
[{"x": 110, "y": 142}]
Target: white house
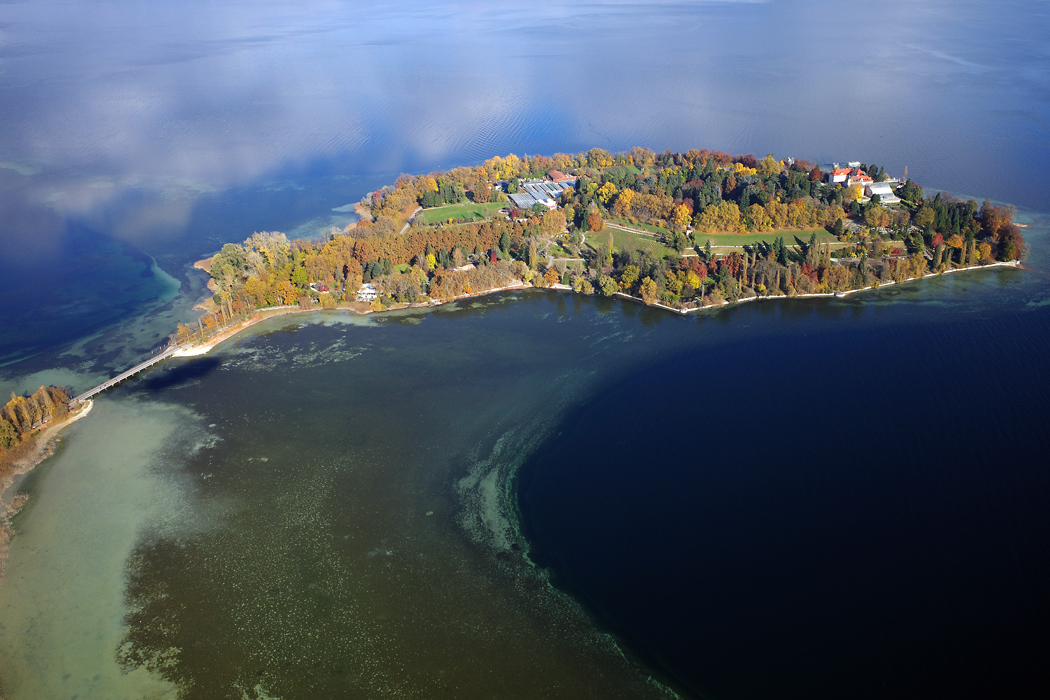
[{"x": 367, "y": 292}]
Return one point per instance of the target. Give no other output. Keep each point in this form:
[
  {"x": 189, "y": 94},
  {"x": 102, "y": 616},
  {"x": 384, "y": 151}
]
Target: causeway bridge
[{"x": 110, "y": 383}]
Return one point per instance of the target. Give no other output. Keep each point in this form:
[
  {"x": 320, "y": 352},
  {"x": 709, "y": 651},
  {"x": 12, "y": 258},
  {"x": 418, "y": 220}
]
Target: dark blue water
[{"x": 839, "y": 510}]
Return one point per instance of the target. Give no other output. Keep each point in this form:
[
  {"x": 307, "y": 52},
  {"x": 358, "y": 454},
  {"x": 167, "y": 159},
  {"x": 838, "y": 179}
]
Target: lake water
[{"x": 799, "y": 499}]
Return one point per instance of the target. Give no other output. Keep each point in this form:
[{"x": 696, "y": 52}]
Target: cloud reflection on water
[{"x": 144, "y": 108}]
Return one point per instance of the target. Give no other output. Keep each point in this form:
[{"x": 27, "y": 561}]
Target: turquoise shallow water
[{"x": 347, "y": 524}]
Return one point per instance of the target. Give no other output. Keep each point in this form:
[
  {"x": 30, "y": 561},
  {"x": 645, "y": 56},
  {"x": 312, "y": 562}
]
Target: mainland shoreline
[{"x": 11, "y": 502}]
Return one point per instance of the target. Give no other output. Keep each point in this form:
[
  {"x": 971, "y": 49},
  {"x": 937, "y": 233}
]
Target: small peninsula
[{"x": 682, "y": 231}]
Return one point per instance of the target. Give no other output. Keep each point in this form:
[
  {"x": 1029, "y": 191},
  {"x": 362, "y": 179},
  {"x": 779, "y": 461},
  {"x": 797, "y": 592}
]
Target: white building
[
  {"x": 367, "y": 292},
  {"x": 885, "y": 191}
]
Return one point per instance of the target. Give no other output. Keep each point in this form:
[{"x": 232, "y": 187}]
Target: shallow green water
[{"x": 335, "y": 519}]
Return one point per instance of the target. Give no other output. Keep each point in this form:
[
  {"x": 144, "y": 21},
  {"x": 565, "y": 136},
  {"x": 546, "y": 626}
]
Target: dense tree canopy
[{"x": 683, "y": 195}]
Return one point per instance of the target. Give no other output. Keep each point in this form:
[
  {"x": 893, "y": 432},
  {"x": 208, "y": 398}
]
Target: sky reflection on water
[{"x": 126, "y": 115}]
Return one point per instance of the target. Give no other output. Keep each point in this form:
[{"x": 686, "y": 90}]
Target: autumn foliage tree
[{"x": 594, "y": 221}]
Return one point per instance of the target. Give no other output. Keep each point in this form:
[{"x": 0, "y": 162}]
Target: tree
[
  {"x": 594, "y": 221},
  {"x": 649, "y": 290},
  {"x": 551, "y": 276},
  {"x": 852, "y": 194},
  {"x": 993, "y": 218},
  {"x": 768, "y": 166},
  {"x": 924, "y": 217},
  {"x": 839, "y": 229},
  {"x": 553, "y": 222},
  {"x": 757, "y": 219},
  {"x": 606, "y": 192},
  {"x": 607, "y": 286},
  {"x": 628, "y": 277},
  {"x": 680, "y": 217},
  {"x": 956, "y": 241},
  {"x": 504, "y": 242},
  {"x": 8, "y": 434},
  {"x": 677, "y": 240},
  {"x": 781, "y": 250},
  {"x": 622, "y": 205},
  {"x": 876, "y": 216},
  {"x": 707, "y": 251},
  {"x": 723, "y": 216}
]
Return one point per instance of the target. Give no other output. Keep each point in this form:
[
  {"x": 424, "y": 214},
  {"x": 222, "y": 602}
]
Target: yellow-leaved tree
[
  {"x": 680, "y": 217},
  {"x": 757, "y": 219},
  {"x": 768, "y": 166},
  {"x": 649, "y": 291},
  {"x": 622, "y": 206},
  {"x": 606, "y": 192},
  {"x": 724, "y": 216}
]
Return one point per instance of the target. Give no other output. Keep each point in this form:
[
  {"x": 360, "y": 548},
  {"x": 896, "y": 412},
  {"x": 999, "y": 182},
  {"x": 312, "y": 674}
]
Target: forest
[
  {"x": 22, "y": 415},
  {"x": 680, "y": 198}
]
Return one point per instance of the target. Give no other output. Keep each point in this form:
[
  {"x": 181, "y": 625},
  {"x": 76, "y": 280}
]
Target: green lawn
[
  {"x": 641, "y": 226},
  {"x": 742, "y": 239},
  {"x": 625, "y": 240},
  {"x": 469, "y": 210},
  {"x": 738, "y": 239}
]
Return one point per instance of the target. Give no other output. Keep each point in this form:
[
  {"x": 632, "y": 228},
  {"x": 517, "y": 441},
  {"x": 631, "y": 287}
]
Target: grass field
[
  {"x": 639, "y": 225},
  {"x": 625, "y": 240},
  {"x": 742, "y": 239},
  {"x": 461, "y": 211},
  {"x": 739, "y": 239}
]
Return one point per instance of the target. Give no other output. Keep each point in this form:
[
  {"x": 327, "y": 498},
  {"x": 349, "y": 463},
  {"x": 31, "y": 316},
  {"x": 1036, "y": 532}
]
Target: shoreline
[
  {"x": 880, "y": 285},
  {"x": 209, "y": 344},
  {"x": 11, "y": 502}
]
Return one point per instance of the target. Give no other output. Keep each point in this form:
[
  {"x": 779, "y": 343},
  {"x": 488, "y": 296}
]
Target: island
[{"x": 680, "y": 231}]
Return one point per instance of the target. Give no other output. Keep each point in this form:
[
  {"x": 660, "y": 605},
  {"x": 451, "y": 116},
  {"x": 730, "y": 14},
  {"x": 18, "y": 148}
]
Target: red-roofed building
[
  {"x": 557, "y": 176},
  {"x": 838, "y": 175},
  {"x": 858, "y": 177}
]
